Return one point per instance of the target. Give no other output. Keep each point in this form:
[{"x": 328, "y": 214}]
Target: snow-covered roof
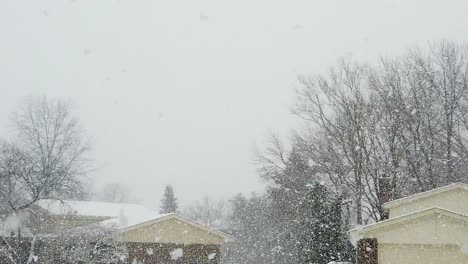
[
  {"x": 121, "y": 215},
  {"x": 450, "y": 187}
]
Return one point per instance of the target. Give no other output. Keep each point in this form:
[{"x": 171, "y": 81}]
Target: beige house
[
  {"x": 150, "y": 237},
  {"x": 427, "y": 228}
]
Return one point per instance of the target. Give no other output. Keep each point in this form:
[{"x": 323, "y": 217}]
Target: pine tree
[
  {"x": 307, "y": 214},
  {"x": 288, "y": 199},
  {"x": 251, "y": 224},
  {"x": 322, "y": 235},
  {"x": 169, "y": 201},
  {"x": 341, "y": 248},
  {"x": 298, "y": 220},
  {"x": 314, "y": 225}
]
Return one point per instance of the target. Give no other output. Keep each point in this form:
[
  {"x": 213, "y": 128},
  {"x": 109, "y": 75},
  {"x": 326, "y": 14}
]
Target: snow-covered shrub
[{"x": 90, "y": 244}]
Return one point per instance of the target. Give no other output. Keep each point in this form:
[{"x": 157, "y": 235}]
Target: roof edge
[
  {"x": 403, "y": 218},
  {"x": 421, "y": 195}
]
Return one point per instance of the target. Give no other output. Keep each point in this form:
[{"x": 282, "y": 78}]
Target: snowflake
[
  {"x": 211, "y": 256},
  {"x": 176, "y": 253}
]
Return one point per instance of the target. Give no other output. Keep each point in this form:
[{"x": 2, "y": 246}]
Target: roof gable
[
  {"x": 430, "y": 226},
  {"x": 422, "y": 195},
  {"x": 184, "y": 220}
]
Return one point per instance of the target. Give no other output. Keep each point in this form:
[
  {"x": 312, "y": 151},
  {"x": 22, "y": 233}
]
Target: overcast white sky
[{"x": 178, "y": 91}]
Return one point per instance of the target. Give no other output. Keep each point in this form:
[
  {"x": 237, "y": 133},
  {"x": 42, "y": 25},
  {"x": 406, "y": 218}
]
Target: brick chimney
[
  {"x": 367, "y": 251},
  {"x": 386, "y": 193},
  {"x": 385, "y": 189}
]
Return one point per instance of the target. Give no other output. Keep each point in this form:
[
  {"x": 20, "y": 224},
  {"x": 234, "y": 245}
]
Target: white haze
[{"x": 177, "y": 92}]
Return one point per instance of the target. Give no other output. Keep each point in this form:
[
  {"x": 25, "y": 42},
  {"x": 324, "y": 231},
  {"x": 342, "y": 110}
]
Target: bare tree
[
  {"x": 337, "y": 106},
  {"x": 56, "y": 141},
  {"x": 403, "y": 120},
  {"x": 423, "y": 95},
  {"x": 46, "y": 161},
  {"x": 444, "y": 72},
  {"x": 208, "y": 211},
  {"x": 115, "y": 193}
]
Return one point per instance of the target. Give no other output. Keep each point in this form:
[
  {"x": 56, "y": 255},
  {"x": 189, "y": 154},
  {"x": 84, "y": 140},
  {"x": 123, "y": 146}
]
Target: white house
[{"x": 427, "y": 228}]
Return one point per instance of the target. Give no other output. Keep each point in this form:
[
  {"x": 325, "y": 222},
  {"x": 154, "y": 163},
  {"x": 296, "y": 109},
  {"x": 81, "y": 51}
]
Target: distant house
[
  {"x": 148, "y": 236},
  {"x": 427, "y": 228}
]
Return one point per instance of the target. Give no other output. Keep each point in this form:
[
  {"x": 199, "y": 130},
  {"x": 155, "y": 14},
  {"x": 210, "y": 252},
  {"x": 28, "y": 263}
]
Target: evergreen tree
[
  {"x": 298, "y": 220},
  {"x": 169, "y": 201},
  {"x": 288, "y": 194},
  {"x": 322, "y": 236},
  {"x": 312, "y": 232},
  {"x": 251, "y": 224},
  {"x": 340, "y": 246}
]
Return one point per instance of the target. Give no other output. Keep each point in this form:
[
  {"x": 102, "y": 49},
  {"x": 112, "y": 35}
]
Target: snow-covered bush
[{"x": 90, "y": 244}]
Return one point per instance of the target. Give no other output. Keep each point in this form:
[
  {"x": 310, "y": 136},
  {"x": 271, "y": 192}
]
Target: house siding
[
  {"x": 424, "y": 254},
  {"x": 171, "y": 231},
  {"x": 158, "y": 253}
]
